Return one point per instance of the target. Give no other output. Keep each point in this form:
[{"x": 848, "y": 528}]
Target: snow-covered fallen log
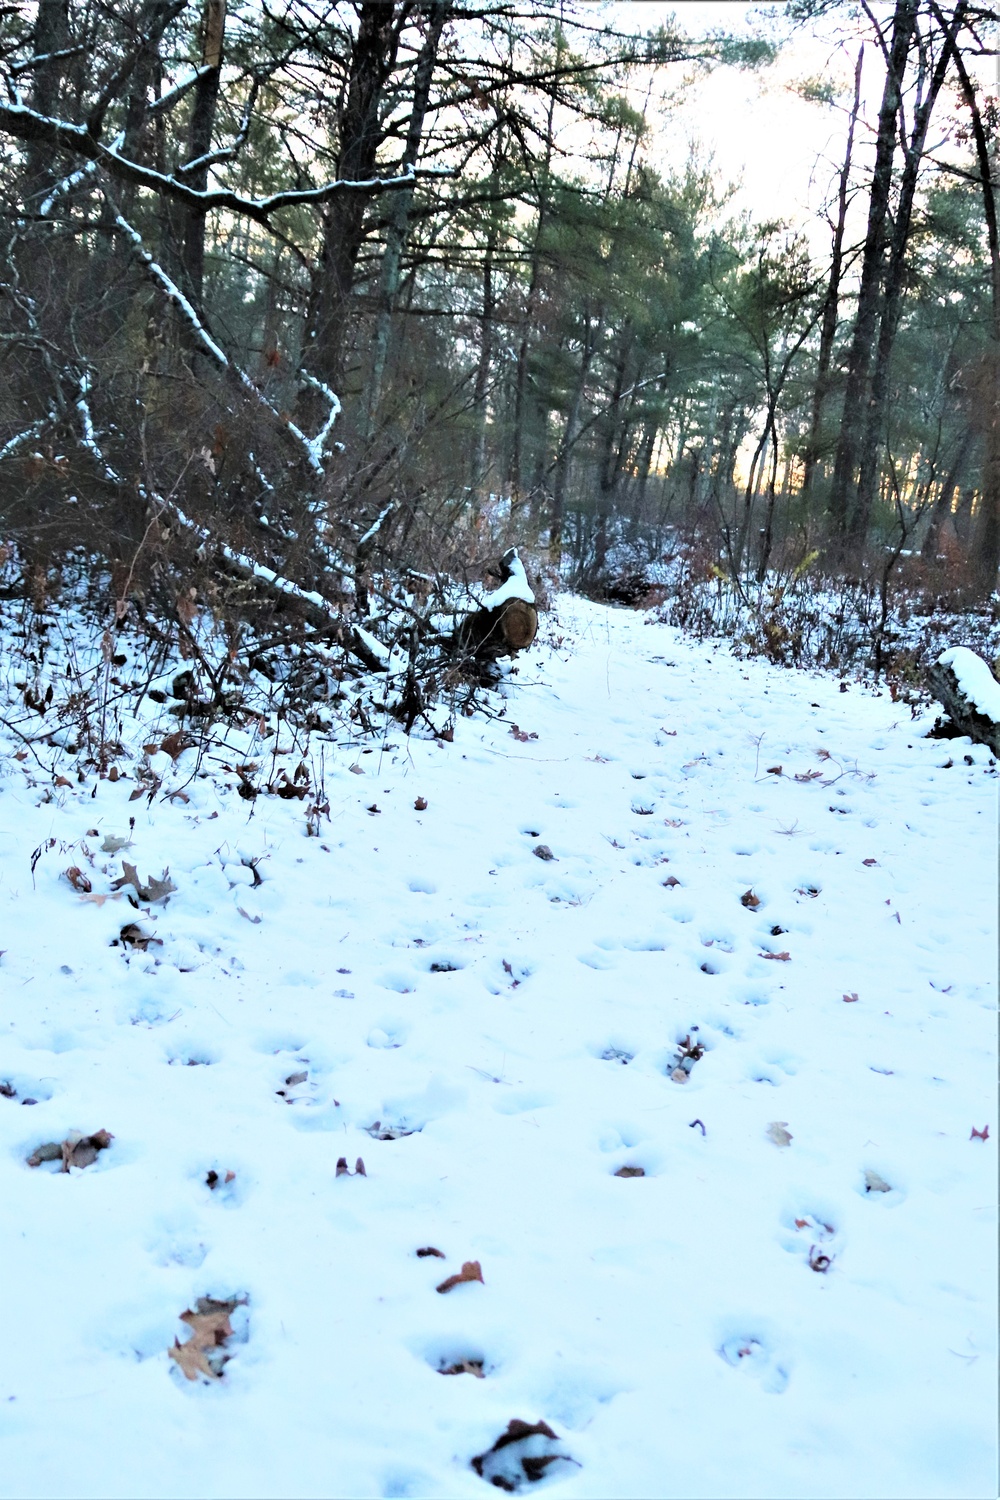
[
  {"x": 969, "y": 694},
  {"x": 507, "y": 619}
]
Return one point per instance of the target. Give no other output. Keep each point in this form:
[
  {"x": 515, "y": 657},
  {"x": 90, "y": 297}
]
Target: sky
[{"x": 783, "y": 152}]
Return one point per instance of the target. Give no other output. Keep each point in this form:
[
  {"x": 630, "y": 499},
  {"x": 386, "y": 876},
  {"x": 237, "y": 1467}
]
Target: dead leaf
[
  {"x": 471, "y": 1271},
  {"x": 159, "y": 890},
  {"x": 255, "y": 920},
  {"x": 343, "y": 1170},
  {"x": 421, "y": 804},
  {"x": 175, "y": 744},
  {"x": 464, "y": 1367},
  {"x": 801, "y": 1223},
  {"x": 509, "y": 1471},
  {"x": 674, "y": 822},
  {"x": 542, "y": 851},
  {"x": 631, "y": 1172},
  {"x": 63, "y": 781},
  {"x": 869, "y": 862},
  {"x": 431, "y": 1250},
  {"x": 670, "y": 882},
  {"x": 154, "y": 891},
  {"x": 521, "y": 735},
  {"x": 81, "y": 1151},
  {"x": 99, "y": 899},
  {"x": 112, "y": 844},
  {"x": 774, "y": 771},
  {"x": 358, "y": 770},
  {"x": 980, "y": 1135},
  {"x": 132, "y": 936},
  {"x": 852, "y": 998},
  {"x": 203, "y": 1353},
  {"x": 749, "y": 900},
  {"x": 777, "y": 1133},
  {"x": 51, "y": 1151},
  {"x": 78, "y": 880},
  {"x": 781, "y": 958},
  {"x": 807, "y": 775},
  {"x": 75, "y": 1151}
]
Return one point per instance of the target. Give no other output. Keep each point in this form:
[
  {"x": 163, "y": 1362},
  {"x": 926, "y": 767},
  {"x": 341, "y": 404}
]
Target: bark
[
  {"x": 966, "y": 717},
  {"x": 373, "y": 56},
  {"x": 943, "y": 503},
  {"x": 574, "y": 427},
  {"x": 831, "y": 304},
  {"x": 51, "y": 34},
  {"x": 874, "y": 424},
  {"x": 986, "y": 556},
  {"x": 399, "y": 209},
  {"x": 521, "y": 400},
  {"x": 869, "y": 295},
  {"x": 203, "y": 112}
]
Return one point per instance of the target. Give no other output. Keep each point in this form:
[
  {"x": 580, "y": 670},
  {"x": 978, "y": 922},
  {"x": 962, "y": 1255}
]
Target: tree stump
[
  {"x": 969, "y": 694},
  {"x": 507, "y": 620}
]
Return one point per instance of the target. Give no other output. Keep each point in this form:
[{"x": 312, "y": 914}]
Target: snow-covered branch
[
  {"x": 360, "y": 643},
  {"x": 28, "y": 125},
  {"x": 312, "y": 447},
  {"x": 35, "y": 430}
]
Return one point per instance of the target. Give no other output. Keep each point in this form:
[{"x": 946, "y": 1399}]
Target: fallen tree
[{"x": 969, "y": 694}]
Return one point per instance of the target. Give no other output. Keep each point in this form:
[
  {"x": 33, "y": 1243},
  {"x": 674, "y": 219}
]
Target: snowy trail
[{"x": 747, "y": 1318}]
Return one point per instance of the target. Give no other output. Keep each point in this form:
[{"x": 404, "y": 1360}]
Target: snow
[
  {"x": 515, "y": 587},
  {"x": 975, "y": 680},
  {"x": 748, "y": 1318}
]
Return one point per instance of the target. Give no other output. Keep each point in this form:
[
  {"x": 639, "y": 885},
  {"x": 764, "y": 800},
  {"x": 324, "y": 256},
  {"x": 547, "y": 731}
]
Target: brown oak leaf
[
  {"x": 471, "y": 1271},
  {"x": 210, "y": 1327},
  {"x": 748, "y": 899},
  {"x": 980, "y": 1135},
  {"x": 781, "y": 958}
]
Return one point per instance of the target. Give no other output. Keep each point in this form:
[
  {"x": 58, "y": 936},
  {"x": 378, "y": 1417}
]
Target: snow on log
[
  {"x": 969, "y": 694},
  {"x": 507, "y": 620}
]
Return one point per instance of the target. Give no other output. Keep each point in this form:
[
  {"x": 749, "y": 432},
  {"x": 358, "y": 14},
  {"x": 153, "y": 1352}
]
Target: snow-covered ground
[{"x": 770, "y": 889}]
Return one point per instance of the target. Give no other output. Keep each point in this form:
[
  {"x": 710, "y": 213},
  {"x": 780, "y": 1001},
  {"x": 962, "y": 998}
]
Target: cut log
[
  {"x": 510, "y": 627},
  {"x": 969, "y": 694},
  {"x": 507, "y": 621}
]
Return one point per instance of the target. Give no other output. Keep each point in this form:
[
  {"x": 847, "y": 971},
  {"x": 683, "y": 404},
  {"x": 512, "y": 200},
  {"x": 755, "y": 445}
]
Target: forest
[{"x": 340, "y": 300}]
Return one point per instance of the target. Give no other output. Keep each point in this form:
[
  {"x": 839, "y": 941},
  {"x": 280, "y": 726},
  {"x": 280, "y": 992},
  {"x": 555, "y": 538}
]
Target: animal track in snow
[{"x": 753, "y": 1354}]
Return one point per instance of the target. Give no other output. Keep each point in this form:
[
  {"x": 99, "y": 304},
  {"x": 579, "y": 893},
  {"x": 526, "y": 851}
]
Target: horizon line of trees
[{"x": 402, "y": 279}]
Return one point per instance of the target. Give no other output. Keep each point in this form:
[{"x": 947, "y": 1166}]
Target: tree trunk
[
  {"x": 943, "y": 503},
  {"x": 399, "y": 209},
  {"x": 51, "y": 35},
  {"x": 203, "y": 112},
  {"x": 859, "y": 360},
  {"x": 986, "y": 556},
  {"x": 859, "y": 520},
  {"x": 831, "y": 305},
  {"x": 373, "y": 55}
]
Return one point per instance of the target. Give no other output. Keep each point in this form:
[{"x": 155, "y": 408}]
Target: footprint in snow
[
  {"x": 754, "y": 1355},
  {"x": 811, "y": 1234}
]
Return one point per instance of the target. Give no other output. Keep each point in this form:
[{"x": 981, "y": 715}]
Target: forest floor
[{"x": 718, "y": 923}]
